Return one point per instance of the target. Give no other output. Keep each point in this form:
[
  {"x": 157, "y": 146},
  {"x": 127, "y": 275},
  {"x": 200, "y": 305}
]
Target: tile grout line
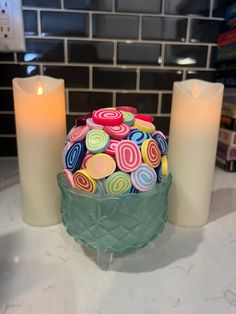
[
  {"x": 91, "y": 77},
  {"x": 115, "y": 52},
  {"x": 163, "y": 7},
  {"x": 107, "y": 90},
  {"x": 211, "y": 8},
  {"x": 208, "y": 57},
  {"x": 8, "y": 157},
  {"x": 201, "y": 17},
  {"x": 137, "y": 79},
  {"x": 6, "y": 88},
  {"x": 41, "y": 69},
  {"x": 116, "y": 66},
  {"x": 140, "y": 20},
  {"x": 65, "y": 51},
  {"x": 132, "y": 40},
  {"x": 163, "y": 47},
  {"x": 159, "y": 103},
  {"x": 39, "y": 22},
  {"x": 67, "y": 100},
  {"x": 164, "y": 115},
  {"x": 188, "y": 30},
  {"x": 7, "y": 135},
  {"x": 113, "y": 99},
  {"x": 90, "y": 26}
]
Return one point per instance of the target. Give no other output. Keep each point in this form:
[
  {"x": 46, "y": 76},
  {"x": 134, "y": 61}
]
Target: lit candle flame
[
  {"x": 39, "y": 89},
  {"x": 195, "y": 90}
]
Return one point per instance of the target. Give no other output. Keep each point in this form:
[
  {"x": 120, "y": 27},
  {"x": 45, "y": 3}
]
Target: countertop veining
[{"x": 42, "y": 270}]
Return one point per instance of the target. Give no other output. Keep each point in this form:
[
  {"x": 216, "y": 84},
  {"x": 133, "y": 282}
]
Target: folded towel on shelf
[
  {"x": 226, "y": 53},
  {"x": 227, "y": 38}
]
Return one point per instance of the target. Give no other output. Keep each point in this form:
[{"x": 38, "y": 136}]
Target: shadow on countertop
[
  {"x": 175, "y": 243},
  {"x": 223, "y": 202}
]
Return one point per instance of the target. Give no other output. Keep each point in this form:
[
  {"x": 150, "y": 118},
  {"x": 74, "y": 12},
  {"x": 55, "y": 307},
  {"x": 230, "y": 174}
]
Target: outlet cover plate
[{"x": 11, "y": 26}]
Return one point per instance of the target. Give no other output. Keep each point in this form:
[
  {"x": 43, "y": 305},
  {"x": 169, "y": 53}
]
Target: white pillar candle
[
  {"x": 41, "y": 131},
  {"x": 194, "y": 126}
]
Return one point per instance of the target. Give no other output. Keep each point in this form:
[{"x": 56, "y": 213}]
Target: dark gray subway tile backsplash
[
  {"x": 186, "y": 7},
  {"x": 6, "y": 57},
  {"x": 159, "y": 79},
  {"x": 138, "y": 53},
  {"x": 212, "y": 56},
  {"x": 141, "y": 6},
  {"x": 64, "y": 24},
  {"x": 7, "y": 124},
  {"x": 97, "y": 5},
  {"x": 74, "y": 76},
  {"x": 166, "y": 100},
  {"x": 146, "y": 103},
  {"x": 42, "y": 3},
  {"x": 88, "y": 101},
  {"x": 90, "y": 51},
  {"x": 112, "y": 52},
  {"x": 70, "y": 121},
  {"x": 9, "y": 71},
  {"x": 164, "y": 28},
  {"x": 8, "y": 146},
  {"x": 204, "y": 30},
  {"x": 114, "y": 78},
  {"x": 162, "y": 123},
  {"x": 30, "y": 22},
  {"x": 115, "y": 26},
  {"x": 218, "y": 9},
  {"x": 201, "y": 75},
  {"x": 6, "y": 100},
  {"x": 47, "y": 50},
  {"x": 185, "y": 55}
]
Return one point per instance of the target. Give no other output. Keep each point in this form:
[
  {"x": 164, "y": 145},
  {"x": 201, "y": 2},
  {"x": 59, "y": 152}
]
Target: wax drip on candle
[
  {"x": 195, "y": 90},
  {"x": 39, "y": 89}
]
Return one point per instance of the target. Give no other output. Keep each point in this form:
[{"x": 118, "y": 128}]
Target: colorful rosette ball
[{"x": 115, "y": 151}]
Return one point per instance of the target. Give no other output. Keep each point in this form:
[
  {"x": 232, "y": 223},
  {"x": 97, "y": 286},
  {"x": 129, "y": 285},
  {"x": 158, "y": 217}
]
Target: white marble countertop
[{"x": 43, "y": 271}]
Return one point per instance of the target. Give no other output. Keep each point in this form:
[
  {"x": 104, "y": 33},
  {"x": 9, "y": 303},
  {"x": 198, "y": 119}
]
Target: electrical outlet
[{"x": 11, "y": 26}]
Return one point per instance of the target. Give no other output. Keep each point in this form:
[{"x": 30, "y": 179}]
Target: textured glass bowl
[{"x": 111, "y": 224}]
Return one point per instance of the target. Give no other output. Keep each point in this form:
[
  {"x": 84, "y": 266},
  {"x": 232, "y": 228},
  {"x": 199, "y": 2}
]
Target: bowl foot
[{"x": 104, "y": 259}]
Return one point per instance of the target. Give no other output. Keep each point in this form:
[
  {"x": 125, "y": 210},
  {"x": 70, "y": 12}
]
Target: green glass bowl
[{"x": 113, "y": 224}]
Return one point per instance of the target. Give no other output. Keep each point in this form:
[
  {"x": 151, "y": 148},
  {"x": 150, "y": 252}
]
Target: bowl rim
[{"x": 63, "y": 183}]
